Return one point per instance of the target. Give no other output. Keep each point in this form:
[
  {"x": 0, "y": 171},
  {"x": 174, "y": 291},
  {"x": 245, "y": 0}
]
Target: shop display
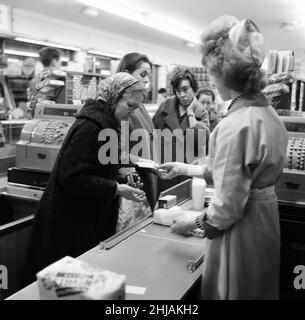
[
  {"x": 280, "y": 61},
  {"x": 59, "y": 87},
  {"x": 82, "y": 89}
]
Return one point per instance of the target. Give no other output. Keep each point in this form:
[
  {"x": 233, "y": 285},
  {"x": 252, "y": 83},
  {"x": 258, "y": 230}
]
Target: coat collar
[
  {"x": 97, "y": 112},
  {"x": 171, "y": 116},
  {"x": 254, "y": 99}
]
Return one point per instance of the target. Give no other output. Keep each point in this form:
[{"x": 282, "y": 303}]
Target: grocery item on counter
[
  {"x": 166, "y": 217},
  {"x": 198, "y": 193},
  {"x": 72, "y": 279}
]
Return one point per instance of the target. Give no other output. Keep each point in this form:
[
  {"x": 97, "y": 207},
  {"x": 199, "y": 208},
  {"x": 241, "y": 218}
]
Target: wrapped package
[
  {"x": 72, "y": 279},
  {"x": 166, "y": 217}
]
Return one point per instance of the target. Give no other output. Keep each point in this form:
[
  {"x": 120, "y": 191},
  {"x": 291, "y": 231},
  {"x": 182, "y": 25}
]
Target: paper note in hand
[{"x": 149, "y": 164}]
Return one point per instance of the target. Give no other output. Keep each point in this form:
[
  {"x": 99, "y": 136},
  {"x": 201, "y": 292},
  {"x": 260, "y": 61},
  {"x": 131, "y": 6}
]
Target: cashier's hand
[
  {"x": 130, "y": 193},
  {"x": 171, "y": 170},
  {"x": 183, "y": 225}
]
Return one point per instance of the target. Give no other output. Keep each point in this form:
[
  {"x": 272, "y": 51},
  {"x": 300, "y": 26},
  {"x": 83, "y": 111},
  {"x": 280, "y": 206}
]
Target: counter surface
[{"x": 152, "y": 258}]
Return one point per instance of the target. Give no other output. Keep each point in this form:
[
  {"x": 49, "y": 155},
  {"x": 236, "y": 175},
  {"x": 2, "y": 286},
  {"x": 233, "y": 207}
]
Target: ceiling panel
[{"x": 268, "y": 14}]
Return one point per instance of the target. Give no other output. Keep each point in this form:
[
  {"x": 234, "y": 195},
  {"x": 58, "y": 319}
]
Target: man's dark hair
[
  {"x": 183, "y": 74},
  {"x": 162, "y": 90},
  {"x": 48, "y": 54},
  {"x": 132, "y": 61}
]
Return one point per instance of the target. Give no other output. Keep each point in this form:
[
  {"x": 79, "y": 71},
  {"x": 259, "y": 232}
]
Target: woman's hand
[
  {"x": 196, "y": 109},
  {"x": 183, "y": 225},
  {"x": 171, "y": 170},
  {"x": 130, "y": 193}
]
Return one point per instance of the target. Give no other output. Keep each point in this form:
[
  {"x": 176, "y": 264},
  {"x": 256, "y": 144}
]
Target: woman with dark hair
[
  {"x": 139, "y": 66},
  {"x": 247, "y": 152},
  {"x": 79, "y": 207},
  {"x": 185, "y": 113}
]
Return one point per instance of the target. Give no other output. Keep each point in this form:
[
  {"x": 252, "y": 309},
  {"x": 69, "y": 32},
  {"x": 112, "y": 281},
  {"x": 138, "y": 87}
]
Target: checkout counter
[
  {"x": 148, "y": 253},
  {"x": 158, "y": 264}
]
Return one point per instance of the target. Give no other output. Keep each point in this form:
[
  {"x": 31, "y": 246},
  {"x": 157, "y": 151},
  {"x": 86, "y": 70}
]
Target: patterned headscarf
[{"x": 110, "y": 89}]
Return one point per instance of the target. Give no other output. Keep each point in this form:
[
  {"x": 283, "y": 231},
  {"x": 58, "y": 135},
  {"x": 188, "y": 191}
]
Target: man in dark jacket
[{"x": 182, "y": 112}]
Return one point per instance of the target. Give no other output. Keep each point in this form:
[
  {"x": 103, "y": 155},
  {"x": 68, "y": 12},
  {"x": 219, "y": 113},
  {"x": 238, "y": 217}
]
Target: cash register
[
  {"x": 290, "y": 187},
  {"x": 38, "y": 148}
]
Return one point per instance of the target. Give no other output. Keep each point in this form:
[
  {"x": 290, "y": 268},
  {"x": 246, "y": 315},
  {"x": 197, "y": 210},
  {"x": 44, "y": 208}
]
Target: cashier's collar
[{"x": 251, "y": 99}]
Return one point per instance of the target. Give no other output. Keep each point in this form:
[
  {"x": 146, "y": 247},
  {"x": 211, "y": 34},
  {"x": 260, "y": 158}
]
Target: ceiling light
[
  {"x": 164, "y": 25},
  {"x": 105, "y": 54},
  {"x": 21, "y": 53},
  {"x": 288, "y": 26},
  {"x": 114, "y": 8},
  {"x": 48, "y": 44},
  {"x": 13, "y": 60},
  {"x": 89, "y": 11},
  {"x": 190, "y": 44}
]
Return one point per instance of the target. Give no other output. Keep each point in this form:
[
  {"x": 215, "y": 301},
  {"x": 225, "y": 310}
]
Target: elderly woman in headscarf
[
  {"x": 79, "y": 207},
  {"x": 247, "y": 152}
]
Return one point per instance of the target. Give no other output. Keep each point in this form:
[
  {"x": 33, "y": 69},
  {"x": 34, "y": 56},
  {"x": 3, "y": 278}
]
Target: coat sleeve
[
  {"x": 79, "y": 166},
  {"x": 203, "y": 121},
  {"x": 158, "y": 120},
  {"x": 235, "y": 152}
]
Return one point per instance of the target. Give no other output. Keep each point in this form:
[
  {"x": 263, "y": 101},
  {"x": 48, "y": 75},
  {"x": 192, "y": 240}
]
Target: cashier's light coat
[{"x": 247, "y": 154}]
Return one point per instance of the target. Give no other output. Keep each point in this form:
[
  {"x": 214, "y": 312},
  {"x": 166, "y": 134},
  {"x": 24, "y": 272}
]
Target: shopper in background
[
  {"x": 50, "y": 59},
  {"x": 162, "y": 95},
  {"x": 79, "y": 207},
  {"x": 246, "y": 157},
  {"x": 182, "y": 111},
  {"x": 206, "y": 96},
  {"x": 139, "y": 66}
]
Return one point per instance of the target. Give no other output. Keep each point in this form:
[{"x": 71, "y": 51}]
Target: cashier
[
  {"x": 247, "y": 152},
  {"x": 79, "y": 207}
]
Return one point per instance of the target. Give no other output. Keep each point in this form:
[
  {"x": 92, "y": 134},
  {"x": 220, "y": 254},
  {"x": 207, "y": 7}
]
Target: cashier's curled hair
[{"x": 233, "y": 51}]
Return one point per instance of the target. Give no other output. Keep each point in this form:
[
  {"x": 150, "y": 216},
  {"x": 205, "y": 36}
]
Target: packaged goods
[
  {"x": 72, "y": 279},
  {"x": 198, "y": 193}
]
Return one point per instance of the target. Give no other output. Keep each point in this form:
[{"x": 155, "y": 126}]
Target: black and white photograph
[{"x": 152, "y": 150}]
